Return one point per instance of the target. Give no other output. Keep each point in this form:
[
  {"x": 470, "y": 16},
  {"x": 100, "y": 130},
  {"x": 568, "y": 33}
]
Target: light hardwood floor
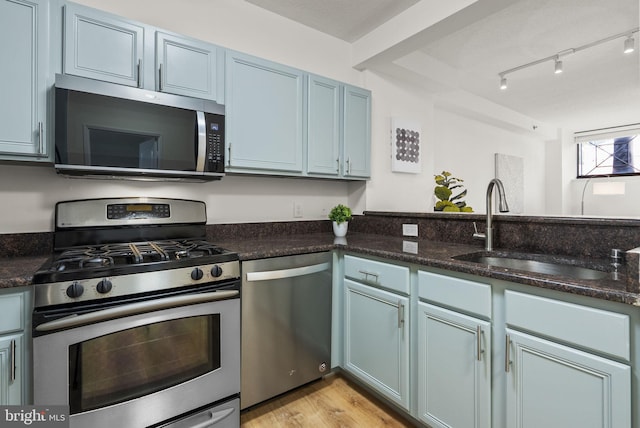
[{"x": 331, "y": 402}]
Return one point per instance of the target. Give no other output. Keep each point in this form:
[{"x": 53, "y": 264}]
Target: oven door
[{"x": 141, "y": 369}]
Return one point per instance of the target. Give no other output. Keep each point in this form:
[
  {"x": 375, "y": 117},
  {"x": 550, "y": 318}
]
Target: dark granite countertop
[
  {"x": 429, "y": 253},
  {"x": 18, "y": 271}
]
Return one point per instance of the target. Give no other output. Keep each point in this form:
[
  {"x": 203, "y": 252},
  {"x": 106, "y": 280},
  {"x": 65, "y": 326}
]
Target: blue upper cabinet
[
  {"x": 106, "y": 47},
  {"x": 338, "y": 129},
  {"x": 102, "y": 46},
  {"x": 356, "y": 130},
  {"x": 323, "y": 126},
  {"x": 186, "y": 66},
  {"x": 264, "y": 115},
  {"x": 23, "y": 48}
]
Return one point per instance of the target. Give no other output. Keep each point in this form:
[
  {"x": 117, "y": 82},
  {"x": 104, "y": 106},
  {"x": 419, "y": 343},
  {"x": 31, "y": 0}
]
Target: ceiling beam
[{"x": 419, "y": 25}]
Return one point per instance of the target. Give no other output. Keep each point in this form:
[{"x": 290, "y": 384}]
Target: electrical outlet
[
  {"x": 297, "y": 210},
  {"x": 409, "y": 230},
  {"x": 410, "y": 247}
]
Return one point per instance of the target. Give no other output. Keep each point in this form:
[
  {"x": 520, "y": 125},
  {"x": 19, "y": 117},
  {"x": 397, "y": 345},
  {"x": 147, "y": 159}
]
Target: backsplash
[
  {"x": 580, "y": 237},
  {"x": 26, "y": 244}
]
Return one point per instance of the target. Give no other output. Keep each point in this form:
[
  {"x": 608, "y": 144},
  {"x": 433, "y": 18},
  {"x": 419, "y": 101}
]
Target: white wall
[
  {"x": 29, "y": 194},
  {"x": 466, "y": 148},
  {"x": 394, "y": 191}
]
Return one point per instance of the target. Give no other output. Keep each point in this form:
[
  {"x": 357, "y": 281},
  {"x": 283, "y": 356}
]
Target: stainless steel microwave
[{"x": 113, "y": 131}]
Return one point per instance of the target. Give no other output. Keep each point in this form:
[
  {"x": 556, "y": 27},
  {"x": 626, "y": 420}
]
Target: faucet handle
[{"x": 476, "y": 234}]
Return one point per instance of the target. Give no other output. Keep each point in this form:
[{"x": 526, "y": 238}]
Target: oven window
[{"x": 131, "y": 363}]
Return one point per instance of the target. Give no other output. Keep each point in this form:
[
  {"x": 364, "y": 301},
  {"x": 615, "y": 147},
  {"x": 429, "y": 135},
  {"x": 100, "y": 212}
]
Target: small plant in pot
[{"x": 340, "y": 216}]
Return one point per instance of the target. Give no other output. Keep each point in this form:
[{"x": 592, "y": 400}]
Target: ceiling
[{"x": 600, "y": 86}]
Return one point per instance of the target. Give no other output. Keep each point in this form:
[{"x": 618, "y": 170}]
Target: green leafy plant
[
  {"x": 444, "y": 190},
  {"x": 340, "y": 213}
]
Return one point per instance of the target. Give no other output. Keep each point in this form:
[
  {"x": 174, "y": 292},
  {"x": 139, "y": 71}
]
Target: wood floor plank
[{"x": 332, "y": 402}]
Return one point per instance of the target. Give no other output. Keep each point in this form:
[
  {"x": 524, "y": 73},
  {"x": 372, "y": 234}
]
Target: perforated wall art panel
[{"x": 405, "y": 146}]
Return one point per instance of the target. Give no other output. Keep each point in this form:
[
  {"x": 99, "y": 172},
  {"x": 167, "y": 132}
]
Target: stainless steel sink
[{"x": 526, "y": 263}]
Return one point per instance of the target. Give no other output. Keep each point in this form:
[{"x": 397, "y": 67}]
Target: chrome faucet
[{"x": 502, "y": 207}]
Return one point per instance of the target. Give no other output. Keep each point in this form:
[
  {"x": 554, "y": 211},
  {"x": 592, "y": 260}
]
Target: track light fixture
[
  {"x": 558, "y": 65},
  {"x": 629, "y": 46}
]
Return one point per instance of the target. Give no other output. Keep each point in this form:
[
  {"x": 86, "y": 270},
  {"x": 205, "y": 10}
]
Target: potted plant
[
  {"x": 340, "y": 216},
  {"x": 446, "y": 200}
]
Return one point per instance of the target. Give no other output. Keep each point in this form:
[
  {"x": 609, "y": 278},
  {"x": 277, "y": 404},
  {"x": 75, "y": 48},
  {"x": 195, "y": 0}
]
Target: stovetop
[{"x": 123, "y": 258}]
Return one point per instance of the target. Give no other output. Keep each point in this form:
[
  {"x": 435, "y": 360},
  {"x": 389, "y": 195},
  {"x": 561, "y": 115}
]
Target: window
[{"x": 609, "y": 152}]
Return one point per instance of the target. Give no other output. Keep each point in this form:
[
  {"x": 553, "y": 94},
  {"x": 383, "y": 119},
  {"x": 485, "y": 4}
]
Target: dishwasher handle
[{"x": 287, "y": 273}]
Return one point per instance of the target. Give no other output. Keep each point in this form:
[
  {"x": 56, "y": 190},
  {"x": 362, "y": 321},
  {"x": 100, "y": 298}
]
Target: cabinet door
[
  {"x": 185, "y": 66},
  {"x": 23, "y": 47},
  {"x": 11, "y": 370},
  {"x": 555, "y": 386},
  {"x": 264, "y": 114},
  {"x": 323, "y": 126},
  {"x": 454, "y": 369},
  {"x": 376, "y": 340},
  {"x": 102, "y": 46},
  {"x": 357, "y": 132}
]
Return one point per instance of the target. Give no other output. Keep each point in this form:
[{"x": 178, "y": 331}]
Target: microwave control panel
[{"x": 215, "y": 142}]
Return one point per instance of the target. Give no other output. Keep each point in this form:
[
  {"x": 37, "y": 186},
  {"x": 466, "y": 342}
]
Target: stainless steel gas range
[{"x": 136, "y": 318}]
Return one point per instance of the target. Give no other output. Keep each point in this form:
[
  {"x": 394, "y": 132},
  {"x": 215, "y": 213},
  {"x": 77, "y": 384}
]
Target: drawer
[
  {"x": 376, "y": 273},
  {"x": 601, "y": 331},
  {"x": 12, "y": 310},
  {"x": 466, "y": 296}
]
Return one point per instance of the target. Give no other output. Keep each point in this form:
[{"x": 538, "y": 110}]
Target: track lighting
[
  {"x": 629, "y": 46},
  {"x": 558, "y": 65}
]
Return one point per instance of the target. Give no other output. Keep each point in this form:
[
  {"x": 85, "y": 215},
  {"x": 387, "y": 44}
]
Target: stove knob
[
  {"x": 196, "y": 274},
  {"x": 104, "y": 286},
  {"x": 216, "y": 271},
  {"x": 75, "y": 290}
]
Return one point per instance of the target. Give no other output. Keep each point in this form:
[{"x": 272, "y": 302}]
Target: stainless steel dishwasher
[{"x": 286, "y": 324}]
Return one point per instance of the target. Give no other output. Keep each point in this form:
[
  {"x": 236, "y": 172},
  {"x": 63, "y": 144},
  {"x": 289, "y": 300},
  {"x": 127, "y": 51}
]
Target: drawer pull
[{"x": 368, "y": 274}]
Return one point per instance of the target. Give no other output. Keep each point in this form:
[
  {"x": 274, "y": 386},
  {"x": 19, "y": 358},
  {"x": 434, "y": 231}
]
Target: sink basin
[{"x": 526, "y": 263}]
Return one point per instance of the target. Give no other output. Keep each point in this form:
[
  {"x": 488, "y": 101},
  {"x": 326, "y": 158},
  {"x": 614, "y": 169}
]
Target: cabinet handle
[
  {"x": 400, "y": 315},
  {"x": 349, "y": 165},
  {"x": 138, "y": 79},
  {"x": 479, "y": 344},
  {"x": 12, "y": 364},
  {"x": 367, "y": 274},
  {"x": 338, "y": 165},
  {"x": 507, "y": 353},
  {"x": 229, "y": 157},
  {"x": 160, "y": 78},
  {"x": 40, "y": 138}
]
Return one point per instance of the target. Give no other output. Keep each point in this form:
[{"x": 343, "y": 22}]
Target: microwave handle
[{"x": 202, "y": 141}]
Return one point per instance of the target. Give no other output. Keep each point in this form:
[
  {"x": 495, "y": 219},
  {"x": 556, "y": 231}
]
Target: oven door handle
[{"x": 136, "y": 308}]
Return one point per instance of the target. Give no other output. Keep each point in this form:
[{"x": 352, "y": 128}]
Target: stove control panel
[
  {"x": 133, "y": 211},
  {"x": 85, "y": 290}
]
